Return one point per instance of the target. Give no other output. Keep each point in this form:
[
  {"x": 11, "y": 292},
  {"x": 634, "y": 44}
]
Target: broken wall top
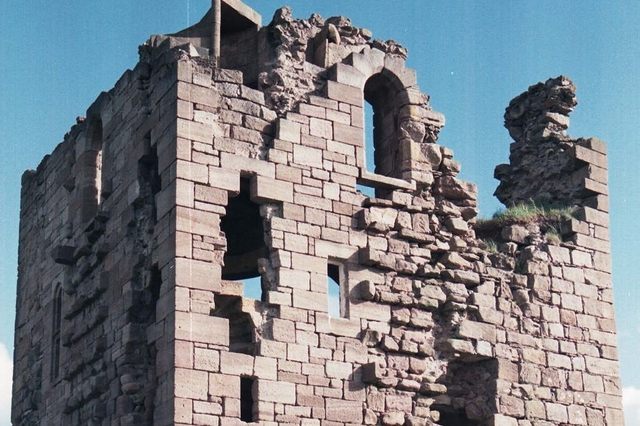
[{"x": 546, "y": 165}]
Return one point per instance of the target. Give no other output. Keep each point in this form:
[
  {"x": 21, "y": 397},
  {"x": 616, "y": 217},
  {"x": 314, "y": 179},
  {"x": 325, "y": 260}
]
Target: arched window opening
[
  {"x": 241, "y": 326},
  {"x": 336, "y": 294},
  {"x": 381, "y": 126},
  {"x": 244, "y": 230},
  {"x": 55, "y": 332},
  {"x": 380, "y": 93}
]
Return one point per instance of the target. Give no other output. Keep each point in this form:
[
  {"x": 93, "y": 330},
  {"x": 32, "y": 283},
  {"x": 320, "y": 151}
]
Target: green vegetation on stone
[
  {"x": 527, "y": 213},
  {"x": 548, "y": 218},
  {"x": 491, "y": 245}
]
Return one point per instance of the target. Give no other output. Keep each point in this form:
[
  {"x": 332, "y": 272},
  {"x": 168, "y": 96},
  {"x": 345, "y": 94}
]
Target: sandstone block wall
[{"x": 140, "y": 232}]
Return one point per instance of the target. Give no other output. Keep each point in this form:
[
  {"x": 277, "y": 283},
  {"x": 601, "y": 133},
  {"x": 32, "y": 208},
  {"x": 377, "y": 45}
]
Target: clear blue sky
[{"x": 471, "y": 57}]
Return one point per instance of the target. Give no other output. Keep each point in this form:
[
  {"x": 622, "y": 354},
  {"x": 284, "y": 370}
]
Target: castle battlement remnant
[{"x": 198, "y": 250}]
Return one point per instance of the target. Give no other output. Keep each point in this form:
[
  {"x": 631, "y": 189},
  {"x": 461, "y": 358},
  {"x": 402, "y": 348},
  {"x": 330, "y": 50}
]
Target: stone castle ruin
[{"x": 228, "y": 162}]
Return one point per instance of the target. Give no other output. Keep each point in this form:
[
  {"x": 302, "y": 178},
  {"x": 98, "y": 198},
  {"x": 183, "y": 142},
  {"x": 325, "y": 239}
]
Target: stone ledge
[{"x": 380, "y": 181}]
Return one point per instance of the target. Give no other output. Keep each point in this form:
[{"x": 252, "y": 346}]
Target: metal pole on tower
[{"x": 216, "y": 7}]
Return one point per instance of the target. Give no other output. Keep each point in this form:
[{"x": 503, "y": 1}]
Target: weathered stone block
[
  {"x": 589, "y": 156},
  {"x": 594, "y": 216},
  {"x": 236, "y": 364},
  {"x": 202, "y": 328},
  {"x": 598, "y": 202},
  {"x": 191, "y": 384},
  {"x": 198, "y": 94},
  {"x": 595, "y": 187},
  {"x": 457, "y": 225},
  {"x": 344, "y": 93},
  {"x": 195, "y": 131},
  {"x": 244, "y": 164},
  {"x": 321, "y": 128},
  {"x": 265, "y": 189},
  {"x": 478, "y": 331},
  {"x": 224, "y": 385},
  {"x": 602, "y": 367},
  {"x": 310, "y": 300},
  {"x": 556, "y": 412},
  {"x": 278, "y": 392},
  {"x": 455, "y": 189},
  {"x": 512, "y": 406},
  {"x": 348, "y": 134},
  {"x": 469, "y": 278},
  {"x": 372, "y": 372},
  {"x": 63, "y": 255},
  {"x": 591, "y": 243},
  {"x": 339, "y": 370},
  {"x": 515, "y": 233},
  {"x": 197, "y": 274},
  {"x": 393, "y": 419},
  {"x": 206, "y": 359}
]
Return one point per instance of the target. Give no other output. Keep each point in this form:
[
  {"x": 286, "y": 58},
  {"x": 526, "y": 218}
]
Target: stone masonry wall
[
  {"x": 149, "y": 216},
  {"x": 91, "y": 224}
]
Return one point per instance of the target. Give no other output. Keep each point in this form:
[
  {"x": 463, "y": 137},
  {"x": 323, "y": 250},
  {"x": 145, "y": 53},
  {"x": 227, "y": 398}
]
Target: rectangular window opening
[
  {"x": 369, "y": 149},
  {"x": 248, "y": 411},
  {"x": 369, "y": 146},
  {"x": 155, "y": 288},
  {"x": 335, "y": 290},
  {"x": 243, "y": 228}
]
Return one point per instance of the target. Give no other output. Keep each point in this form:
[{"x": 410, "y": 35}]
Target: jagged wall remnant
[
  {"x": 191, "y": 186},
  {"x": 547, "y": 165},
  {"x": 303, "y": 49}
]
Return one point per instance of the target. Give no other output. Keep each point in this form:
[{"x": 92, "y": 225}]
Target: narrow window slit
[
  {"x": 247, "y": 402},
  {"x": 155, "y": 287},
  {"x": 369, "y": 149},
  {"x": 149, "y": 178},
  {"x": 335, "y": 294},
  {"x": 90, "y": 177},
  {"x": 55, "y": 335},
  {"x": 97, "y": 148}
]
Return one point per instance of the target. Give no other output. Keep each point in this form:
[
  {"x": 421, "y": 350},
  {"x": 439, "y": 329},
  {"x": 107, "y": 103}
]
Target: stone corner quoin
[{"x": 198, "y": 250}]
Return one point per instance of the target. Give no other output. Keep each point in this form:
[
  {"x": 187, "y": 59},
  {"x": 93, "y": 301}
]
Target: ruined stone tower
[{"x": 228, "y": 163}]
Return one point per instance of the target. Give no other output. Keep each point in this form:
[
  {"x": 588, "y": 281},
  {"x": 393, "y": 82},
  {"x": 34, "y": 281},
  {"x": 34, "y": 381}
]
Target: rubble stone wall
[{"x": 144, "y": 225}]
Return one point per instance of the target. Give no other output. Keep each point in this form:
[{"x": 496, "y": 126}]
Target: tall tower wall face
[
  {"x": 189, "y": 187},
  {"x": 90, "y": 236}
]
